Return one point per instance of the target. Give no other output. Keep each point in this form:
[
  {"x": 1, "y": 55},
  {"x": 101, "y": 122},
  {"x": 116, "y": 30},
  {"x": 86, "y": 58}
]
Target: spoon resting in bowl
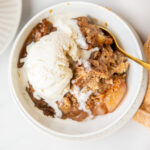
[{"x": 141, "y": 62}]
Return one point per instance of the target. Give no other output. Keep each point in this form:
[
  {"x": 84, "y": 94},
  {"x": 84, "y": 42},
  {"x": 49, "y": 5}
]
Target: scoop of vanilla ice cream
[{"x": 47, "y": 65}]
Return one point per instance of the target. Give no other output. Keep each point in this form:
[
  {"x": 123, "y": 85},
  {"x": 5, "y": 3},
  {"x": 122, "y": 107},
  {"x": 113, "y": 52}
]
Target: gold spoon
[{"x": 141, "y": 62}]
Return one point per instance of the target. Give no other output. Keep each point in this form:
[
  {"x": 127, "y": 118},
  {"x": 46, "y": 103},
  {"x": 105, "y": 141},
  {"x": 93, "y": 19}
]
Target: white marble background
[{"x": 16, "y": 133}]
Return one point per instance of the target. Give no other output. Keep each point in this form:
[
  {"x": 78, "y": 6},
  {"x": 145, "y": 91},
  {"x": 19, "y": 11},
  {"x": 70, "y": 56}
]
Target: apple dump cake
[{"x": 72, "y": 69}]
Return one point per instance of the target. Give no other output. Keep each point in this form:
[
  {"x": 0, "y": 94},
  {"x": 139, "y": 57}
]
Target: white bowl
[
  {"x": 102, "y": 125},
  {"x": 10, "y": 14}
]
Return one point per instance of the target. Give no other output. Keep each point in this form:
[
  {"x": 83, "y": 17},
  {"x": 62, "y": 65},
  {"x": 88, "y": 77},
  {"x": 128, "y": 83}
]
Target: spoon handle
[{"x": 141, "y": 62}]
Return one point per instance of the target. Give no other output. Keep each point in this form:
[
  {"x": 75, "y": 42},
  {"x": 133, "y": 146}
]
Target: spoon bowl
[{"x": 141, "y": 62}]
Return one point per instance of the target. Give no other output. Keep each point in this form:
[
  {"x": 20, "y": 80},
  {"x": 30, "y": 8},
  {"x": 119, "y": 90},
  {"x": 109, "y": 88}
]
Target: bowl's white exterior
[{"x": 102, "y": 125}]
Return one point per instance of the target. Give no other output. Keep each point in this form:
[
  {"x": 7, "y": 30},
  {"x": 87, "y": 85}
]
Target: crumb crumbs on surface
[
  {"x": 51, "y": 11},
  {"x": 95, "y": 20},
  {"x": 106, "y": 24},
  {"x": 108, "y": 9}
]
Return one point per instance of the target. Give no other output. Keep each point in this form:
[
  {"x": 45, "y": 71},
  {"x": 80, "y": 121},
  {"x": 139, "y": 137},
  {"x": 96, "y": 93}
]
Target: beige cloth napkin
[{"x": 142, "y": 116}]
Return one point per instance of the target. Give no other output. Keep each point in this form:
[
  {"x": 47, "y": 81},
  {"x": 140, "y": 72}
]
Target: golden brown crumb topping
[{"x": 94, "y": 36}]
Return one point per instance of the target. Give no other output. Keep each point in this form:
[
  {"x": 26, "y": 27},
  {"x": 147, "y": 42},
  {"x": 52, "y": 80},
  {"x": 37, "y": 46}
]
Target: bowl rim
[
  {"x": 106, "y": 131},
  {"x": 16, "y": 28}
]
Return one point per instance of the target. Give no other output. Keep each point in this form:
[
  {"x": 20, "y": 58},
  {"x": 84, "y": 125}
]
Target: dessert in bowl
[
  {"x": 72, "y": 69},
  {"x": 69, "y": 77}
]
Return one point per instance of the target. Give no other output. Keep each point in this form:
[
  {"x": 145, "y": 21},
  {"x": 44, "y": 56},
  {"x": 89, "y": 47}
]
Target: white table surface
[{"x": 16, "y": 133}]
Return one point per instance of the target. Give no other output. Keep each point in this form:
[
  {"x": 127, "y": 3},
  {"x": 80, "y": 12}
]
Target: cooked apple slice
[
  {"x": 115, "y": 95},
  {"x": 99, "y": 109}
]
